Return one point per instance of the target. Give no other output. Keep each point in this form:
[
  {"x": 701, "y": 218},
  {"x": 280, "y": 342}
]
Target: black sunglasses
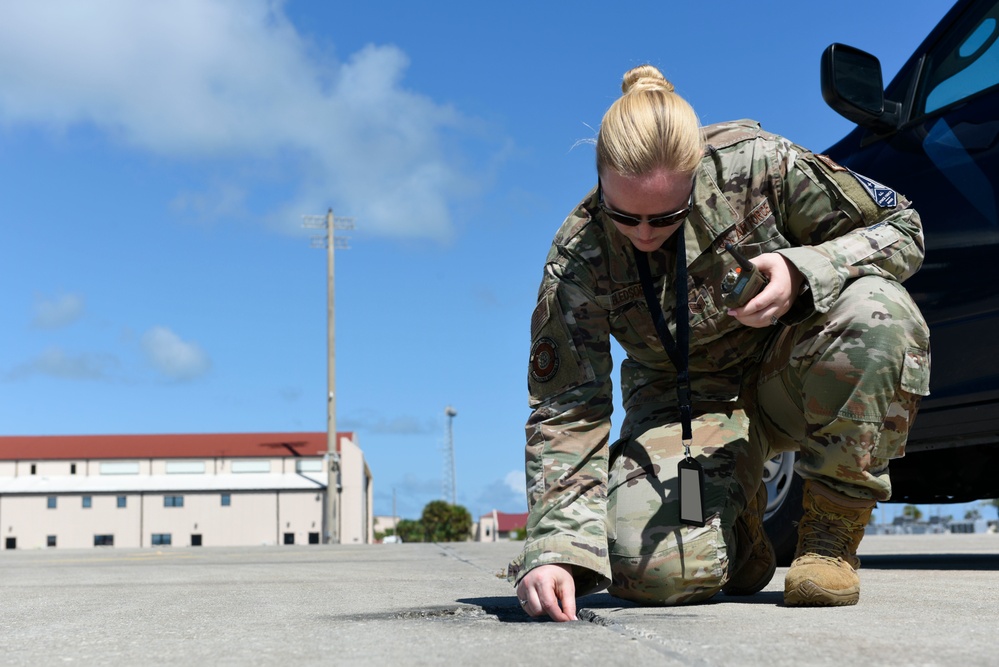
[{"x": 658, "y": 220}]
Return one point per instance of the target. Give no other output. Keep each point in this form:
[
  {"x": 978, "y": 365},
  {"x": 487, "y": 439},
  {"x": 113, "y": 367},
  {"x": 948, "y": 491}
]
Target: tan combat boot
[
  {"x": 756, "y": 559},
  {"x": 824, "y": 572}
]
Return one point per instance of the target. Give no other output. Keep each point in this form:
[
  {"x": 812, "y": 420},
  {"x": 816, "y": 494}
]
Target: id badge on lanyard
[{"x": 689, "y": 473}]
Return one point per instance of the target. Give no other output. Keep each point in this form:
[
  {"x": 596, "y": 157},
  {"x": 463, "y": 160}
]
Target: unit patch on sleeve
[
  {"x": 544, "y": 359},
  {"x": 882, "y": 195},
  {"x": 557, "y": 364}
]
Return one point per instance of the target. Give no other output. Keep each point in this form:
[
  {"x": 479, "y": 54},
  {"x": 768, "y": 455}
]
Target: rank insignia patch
[
  {"x": 882, "y": 195},
  {"x": 544, "y": 360}
]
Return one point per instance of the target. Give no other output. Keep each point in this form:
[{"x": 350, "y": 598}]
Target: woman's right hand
[{"x": 549, "y": 589}]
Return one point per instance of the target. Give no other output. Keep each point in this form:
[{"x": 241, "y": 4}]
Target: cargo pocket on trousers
[{"x": 913, "y": 385}]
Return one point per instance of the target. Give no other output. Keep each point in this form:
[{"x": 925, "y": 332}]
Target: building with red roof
[
  {"x": 497, "y": 526},
  {"x": 217, "y": 489}
]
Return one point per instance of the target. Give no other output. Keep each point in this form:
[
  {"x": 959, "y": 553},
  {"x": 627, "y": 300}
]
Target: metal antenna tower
[
  {"x": 328, "y": 240},
  {"x": 450, "y": 491}
]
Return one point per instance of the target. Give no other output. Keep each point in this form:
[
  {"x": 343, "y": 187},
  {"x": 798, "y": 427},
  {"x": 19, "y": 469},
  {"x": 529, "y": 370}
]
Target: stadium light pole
[{"x": 329, "y": 240}]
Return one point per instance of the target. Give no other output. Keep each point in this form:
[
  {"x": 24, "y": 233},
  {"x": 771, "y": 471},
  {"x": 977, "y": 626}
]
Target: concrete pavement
[{"x": 926, "y": 600}]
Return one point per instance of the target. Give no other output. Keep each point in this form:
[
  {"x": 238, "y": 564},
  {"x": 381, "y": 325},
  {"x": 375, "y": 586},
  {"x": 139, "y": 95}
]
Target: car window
[{"x": 965, "y": 62}]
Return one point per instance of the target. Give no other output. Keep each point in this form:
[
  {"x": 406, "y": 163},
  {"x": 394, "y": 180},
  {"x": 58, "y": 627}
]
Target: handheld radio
[{"x": 741, "y": 283}]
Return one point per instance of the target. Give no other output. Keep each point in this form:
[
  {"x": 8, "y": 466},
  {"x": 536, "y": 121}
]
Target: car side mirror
[{"x": 852, "y": 86}]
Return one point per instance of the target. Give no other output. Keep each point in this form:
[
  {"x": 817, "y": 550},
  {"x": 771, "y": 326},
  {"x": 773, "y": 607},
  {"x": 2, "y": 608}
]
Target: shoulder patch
[
  {"x": 882, "y": 195},
  {"x": 869, "y": 197}
]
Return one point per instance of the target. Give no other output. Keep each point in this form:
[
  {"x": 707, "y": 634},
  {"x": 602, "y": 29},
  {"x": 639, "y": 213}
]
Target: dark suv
[{"x": 933, "y": 135}]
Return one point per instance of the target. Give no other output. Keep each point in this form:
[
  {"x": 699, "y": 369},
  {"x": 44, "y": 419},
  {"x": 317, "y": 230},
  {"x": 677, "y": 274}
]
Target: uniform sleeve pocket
[
  {"x": 556, "y": 364},
  {"x": 862, "y": 243},
  {"x": 916, "y": 371}
]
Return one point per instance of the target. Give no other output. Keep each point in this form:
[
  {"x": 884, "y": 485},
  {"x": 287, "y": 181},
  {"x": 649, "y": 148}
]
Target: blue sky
[{"x": 156, "y": 160}]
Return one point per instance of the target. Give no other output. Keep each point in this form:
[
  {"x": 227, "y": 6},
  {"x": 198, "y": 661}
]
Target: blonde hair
[{"x": 649, "y": 127}]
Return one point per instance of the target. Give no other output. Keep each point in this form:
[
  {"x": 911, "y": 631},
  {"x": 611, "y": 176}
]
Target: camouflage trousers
[{"x": 841, "y": 387}]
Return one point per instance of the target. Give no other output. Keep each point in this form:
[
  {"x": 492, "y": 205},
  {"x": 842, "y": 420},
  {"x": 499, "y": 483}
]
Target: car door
[{"x": 945, "y": 158}]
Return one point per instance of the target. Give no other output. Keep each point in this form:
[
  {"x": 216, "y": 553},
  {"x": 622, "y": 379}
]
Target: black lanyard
[{"x": 678, "y": 351}]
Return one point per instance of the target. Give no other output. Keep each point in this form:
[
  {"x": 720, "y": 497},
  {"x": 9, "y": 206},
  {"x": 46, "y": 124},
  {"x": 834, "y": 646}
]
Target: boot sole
[{"x": 808, "y": 594}]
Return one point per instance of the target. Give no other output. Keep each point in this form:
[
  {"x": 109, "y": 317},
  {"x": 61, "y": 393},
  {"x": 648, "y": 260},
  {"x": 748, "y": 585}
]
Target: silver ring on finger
[{"x": 774, "y": 321}]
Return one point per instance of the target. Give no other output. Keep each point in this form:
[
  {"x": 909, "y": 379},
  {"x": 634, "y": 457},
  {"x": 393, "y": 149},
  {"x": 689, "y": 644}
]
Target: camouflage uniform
[{"x": 839, "y": 379}]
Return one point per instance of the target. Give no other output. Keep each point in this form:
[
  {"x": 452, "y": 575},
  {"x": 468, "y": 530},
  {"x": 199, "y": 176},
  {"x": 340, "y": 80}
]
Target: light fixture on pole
[{"x": 331, "y": 515}]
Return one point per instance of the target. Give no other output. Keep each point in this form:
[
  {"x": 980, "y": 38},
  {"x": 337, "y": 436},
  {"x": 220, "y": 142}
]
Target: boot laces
[{"x": 830, "y": 534}]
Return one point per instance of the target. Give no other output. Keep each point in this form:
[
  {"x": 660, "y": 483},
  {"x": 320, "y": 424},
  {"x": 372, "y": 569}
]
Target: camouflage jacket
[{"x": 756, "y": 190}]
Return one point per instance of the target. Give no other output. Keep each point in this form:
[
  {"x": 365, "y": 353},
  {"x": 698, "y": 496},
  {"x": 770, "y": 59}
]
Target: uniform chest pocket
[{"x": 632, "y": 327}]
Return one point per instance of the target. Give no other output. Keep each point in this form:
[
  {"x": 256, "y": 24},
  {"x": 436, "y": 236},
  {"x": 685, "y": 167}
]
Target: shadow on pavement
[
  {"x": 930, "y": 562},
  {"x": 506, "y": 608}
]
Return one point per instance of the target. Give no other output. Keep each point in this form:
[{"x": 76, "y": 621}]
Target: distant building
[
  {"x": 223, "y": 489},
  {"x": 934, "y": 525},
  {"x": 385, "y": 523},
  {"x": 497, "y": 526},
  {"x": 969, "y": 526}
]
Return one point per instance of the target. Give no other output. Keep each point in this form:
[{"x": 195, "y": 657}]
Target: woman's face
[{"x": 647, "y": 196}]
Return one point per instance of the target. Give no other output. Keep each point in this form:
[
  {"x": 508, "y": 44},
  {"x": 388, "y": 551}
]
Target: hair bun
[{"x": 645, "y": 77}]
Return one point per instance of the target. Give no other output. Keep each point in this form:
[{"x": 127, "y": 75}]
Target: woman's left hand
[{"x": 777, "y": 297}]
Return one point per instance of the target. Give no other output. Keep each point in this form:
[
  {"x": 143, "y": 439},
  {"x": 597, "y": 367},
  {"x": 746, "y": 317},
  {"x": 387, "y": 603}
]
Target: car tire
[{"x": 784, "y": 488}]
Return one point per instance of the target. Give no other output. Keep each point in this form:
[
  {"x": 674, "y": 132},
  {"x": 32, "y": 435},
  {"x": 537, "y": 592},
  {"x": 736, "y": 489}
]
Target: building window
[
  {"x": 11, "y": 543},
  {"x": 119, "y": 468},
  {"x": 162, "y": 539},
  {"x": 52, "y": 502},
  {"x": 195, "y": 539},
  {"x": 34, "y": 468},
  {"x": 289, "y": 538},
  {"x": 87, "y": 502},
  {"x": 313, "y": 538},
  {"x": 122, "y": 501},
  {"x": 173, "y": 501},
  {"x": 250, "y": 466},
  {"x": 310, "y": 465},
  {"x": 103, "y": 540},
  {"x": 226, "y": 500},
  {"x": 50, "y": 540},
  {"x": 185, "y": 467},
  {"x": 72, "y": 468}
]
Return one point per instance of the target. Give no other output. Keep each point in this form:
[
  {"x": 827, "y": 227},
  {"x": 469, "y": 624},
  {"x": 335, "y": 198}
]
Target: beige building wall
[
  {"x": 261, "y": 509},
  {"x": 249, "y": 519},
  {"x": 486, "y": 529},
  {"x": 355, "y": 523},
  {"x": 31, "y": 521},
  {"x": 300, "y": 513}
]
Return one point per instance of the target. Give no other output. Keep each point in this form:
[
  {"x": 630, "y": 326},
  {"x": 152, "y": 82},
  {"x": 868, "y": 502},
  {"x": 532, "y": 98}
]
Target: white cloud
[
  {"x": 234, "y": 80},
  {"x": 516, "y": 481},
  {"x": 55, "y": 362},
  {"x": 57, "y": 312},
  {"x": 175, "y": 358}
]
